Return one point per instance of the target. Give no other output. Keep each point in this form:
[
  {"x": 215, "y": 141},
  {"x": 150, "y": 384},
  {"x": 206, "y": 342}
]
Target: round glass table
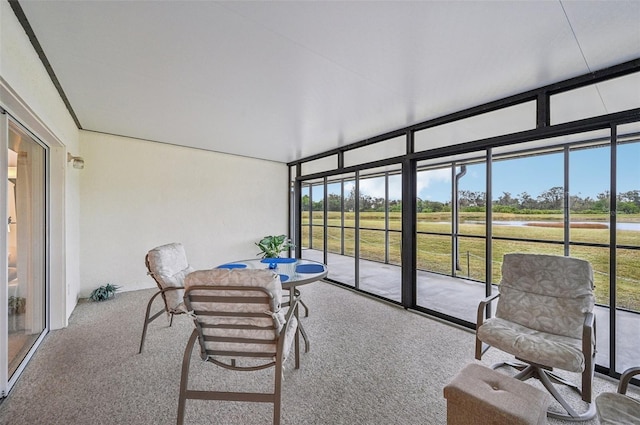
[{"x": 293, "y": 272}]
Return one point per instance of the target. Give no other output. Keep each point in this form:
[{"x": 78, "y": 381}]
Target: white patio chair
[
  {"x": 239, "y": 325},
  {"x": 168, "y": 266}
]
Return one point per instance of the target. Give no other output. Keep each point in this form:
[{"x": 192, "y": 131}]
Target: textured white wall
[
  {"x": 28, "y": 93},
  {"x": 136, "y": 195}
]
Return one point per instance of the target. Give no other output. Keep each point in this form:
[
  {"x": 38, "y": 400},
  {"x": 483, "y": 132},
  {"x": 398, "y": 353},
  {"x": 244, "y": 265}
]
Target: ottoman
[{"x": 479, "y": 395}]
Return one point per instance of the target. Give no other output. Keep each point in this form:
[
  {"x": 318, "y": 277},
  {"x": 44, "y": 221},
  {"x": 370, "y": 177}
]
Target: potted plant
[
  {"x": 104, "y": 292},
  {"x": 272, "y": 246},
  {"x": 17, "y": 305}
]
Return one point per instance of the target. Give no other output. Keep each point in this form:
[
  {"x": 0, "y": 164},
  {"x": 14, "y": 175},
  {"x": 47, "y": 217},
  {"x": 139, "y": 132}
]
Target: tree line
[{"x": 549, "y": 201}]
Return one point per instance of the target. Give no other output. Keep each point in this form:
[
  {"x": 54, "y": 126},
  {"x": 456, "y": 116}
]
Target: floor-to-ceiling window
[
  {"x": 540, "y": 172},
  {"x": 341, "y": 233},
  {"x": 627, "y": 248},
  {"x": 25, "y": 308}
]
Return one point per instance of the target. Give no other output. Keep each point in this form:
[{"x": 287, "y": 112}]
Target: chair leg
[
  {"x": 571, "y": 415},
  {"x": 546, "y": 377},
  {"x": 304, "y": 337},
  {"x": 277, "y": 391},
  {"x": 306, "y": 309},
  {"x": 184, "y": 377},
  {"x": 296, "y": 349},
  {"x": 148, "y": 320}
]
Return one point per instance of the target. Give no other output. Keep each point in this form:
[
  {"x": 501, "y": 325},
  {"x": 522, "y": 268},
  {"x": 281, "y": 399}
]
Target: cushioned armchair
[
  {"x": 168, "y": 266},
  {"x": 618, "y": 408},
  {"x": 239, "y": 325},
  {"x": 544, "y": 317}
]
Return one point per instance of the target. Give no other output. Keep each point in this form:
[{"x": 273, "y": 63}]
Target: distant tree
[
  {"x": 627, "y": 208},
  {"x": 334, "y": 202},
  {"x": 395, "y": 205},
  {"x": 350, "y": 200},
  {"x": 577, "y": 204},
  {"x": 318, "y": 206},
  {"x": 507, "y": 200},
  {"x": 526, "y": 201},
  {"x": 632, "y": 196},
  {"x": 551, "y": 199},
  {"x": 467, "y": 198},
  {"x": 601, "y": 204}
]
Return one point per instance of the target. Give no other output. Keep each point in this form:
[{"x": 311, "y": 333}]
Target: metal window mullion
[
  {"x": 356, "y": 208},
  {"x": 566, "y": 202},
  {"x": 613, "y": 240},
  {"x": 4, "y": 293},
  {"x": 341, "y": 216},
  {"x": 543, "y": 109},
  {"x": 489, "y": 224},
  {"x": 386, "y": 217},
  {"x": 409, "y": 249},
  {"x": 325, "y": 206},
  {"x": 454, "y": 221},
  {"x": 297, "y": 189},
  {"x": 291, "y": 213}
]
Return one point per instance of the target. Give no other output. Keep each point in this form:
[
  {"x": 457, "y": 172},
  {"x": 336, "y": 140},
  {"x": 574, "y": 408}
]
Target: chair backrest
[
  {"x": 168, "y": 266},
  {"x": 548, "y": 293},
  {"x": 236, "y": 311}
]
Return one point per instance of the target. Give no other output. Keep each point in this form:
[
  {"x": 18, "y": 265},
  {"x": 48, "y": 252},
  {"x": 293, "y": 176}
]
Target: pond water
[{"x": 619, "y": 226}]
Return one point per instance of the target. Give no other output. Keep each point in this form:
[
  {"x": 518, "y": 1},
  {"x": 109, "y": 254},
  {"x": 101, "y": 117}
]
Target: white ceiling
[{"x": 285, "y": 80}]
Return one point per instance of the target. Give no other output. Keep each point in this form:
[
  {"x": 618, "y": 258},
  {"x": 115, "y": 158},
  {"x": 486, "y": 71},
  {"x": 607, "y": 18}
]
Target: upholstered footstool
[{"x": 479, "y": 395}]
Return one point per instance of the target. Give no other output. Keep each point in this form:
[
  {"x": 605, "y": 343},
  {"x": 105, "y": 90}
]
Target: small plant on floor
[
  {"x": 272, "y": 246},
  {"x": 103, "y": 292},
  {"x": 17, "y": 305}
]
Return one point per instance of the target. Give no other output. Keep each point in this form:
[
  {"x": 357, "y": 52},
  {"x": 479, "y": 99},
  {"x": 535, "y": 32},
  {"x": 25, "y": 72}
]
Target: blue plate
[
  {"x": 278, "y": 260},
  {"x": 232, "y": 266},
  {"x": 284, "y": 278},
  {"x": 310, "y": 268}
]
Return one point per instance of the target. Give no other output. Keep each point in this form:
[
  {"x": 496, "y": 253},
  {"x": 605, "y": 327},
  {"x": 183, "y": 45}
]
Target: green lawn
[{"x": 434, "y": 251}]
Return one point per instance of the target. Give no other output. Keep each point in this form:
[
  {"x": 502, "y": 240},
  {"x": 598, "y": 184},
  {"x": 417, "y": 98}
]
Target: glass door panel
[
  {"x": 590, "y": 176},
  {"x": 26, "y": 282},
  {"x": 341, "y": 229},
  {"x": 305, "y": 218},
  {"x": 599, "y": 259},
  {"x": 627, "y": 282},
  {"x": 379, "y": 261}
]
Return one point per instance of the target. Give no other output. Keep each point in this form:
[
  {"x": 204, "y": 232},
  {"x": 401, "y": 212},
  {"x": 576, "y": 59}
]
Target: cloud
[
  {"x": 374, "y": 187},
  {"x": 432, "y": 179},
  {"x": 427, "y": 179}
]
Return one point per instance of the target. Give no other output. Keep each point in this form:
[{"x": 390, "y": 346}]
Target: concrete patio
[{"x": 459, "y": 298}]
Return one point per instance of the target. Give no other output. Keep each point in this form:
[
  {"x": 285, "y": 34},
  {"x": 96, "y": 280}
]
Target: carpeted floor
[{"x": 370, "y": 363}]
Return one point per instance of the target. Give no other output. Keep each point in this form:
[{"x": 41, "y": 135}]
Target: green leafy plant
[
  {"x": 17, "y": 305},
  {"x": 272, "y": 246},
  {"x": 104, "y": 292}
]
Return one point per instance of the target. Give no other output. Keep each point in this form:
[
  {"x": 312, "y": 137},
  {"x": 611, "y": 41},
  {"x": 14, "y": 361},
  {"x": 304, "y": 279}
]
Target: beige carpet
[{"x": 370, "y": 363}]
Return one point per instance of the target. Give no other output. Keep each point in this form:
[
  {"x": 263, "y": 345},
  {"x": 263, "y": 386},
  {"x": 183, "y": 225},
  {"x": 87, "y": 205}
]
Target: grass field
[{"x": 435, "y": 251}]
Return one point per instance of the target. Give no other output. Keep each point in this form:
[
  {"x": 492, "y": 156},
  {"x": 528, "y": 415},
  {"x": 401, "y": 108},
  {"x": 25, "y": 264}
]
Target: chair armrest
[
  {"x": 589, "y": 333},
  {"x": 480, "y": 320},
  {"x": 165, "y": 307},
  {"x": 626, "y": 377},
  {"x": 291, "y": 313},
  {"x": 482, "y": 307},
  {"x": 589, "y": 352}
]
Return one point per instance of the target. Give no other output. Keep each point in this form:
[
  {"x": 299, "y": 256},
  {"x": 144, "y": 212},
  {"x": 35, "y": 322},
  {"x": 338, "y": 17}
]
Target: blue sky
[{"x": 589, "y": 175}]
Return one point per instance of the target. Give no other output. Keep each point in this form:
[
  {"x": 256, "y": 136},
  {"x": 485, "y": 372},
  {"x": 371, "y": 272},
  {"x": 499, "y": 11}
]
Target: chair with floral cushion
[
  {"x": 168, "y": 266},
  {"x": 544, "y": 317},
  {"x": 619, "y": 408},
  {"x": 240, "y": 325}
]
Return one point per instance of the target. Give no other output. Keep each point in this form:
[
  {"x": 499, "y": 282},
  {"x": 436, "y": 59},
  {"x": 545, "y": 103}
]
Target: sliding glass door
[{"x": 25, "y": 292}]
